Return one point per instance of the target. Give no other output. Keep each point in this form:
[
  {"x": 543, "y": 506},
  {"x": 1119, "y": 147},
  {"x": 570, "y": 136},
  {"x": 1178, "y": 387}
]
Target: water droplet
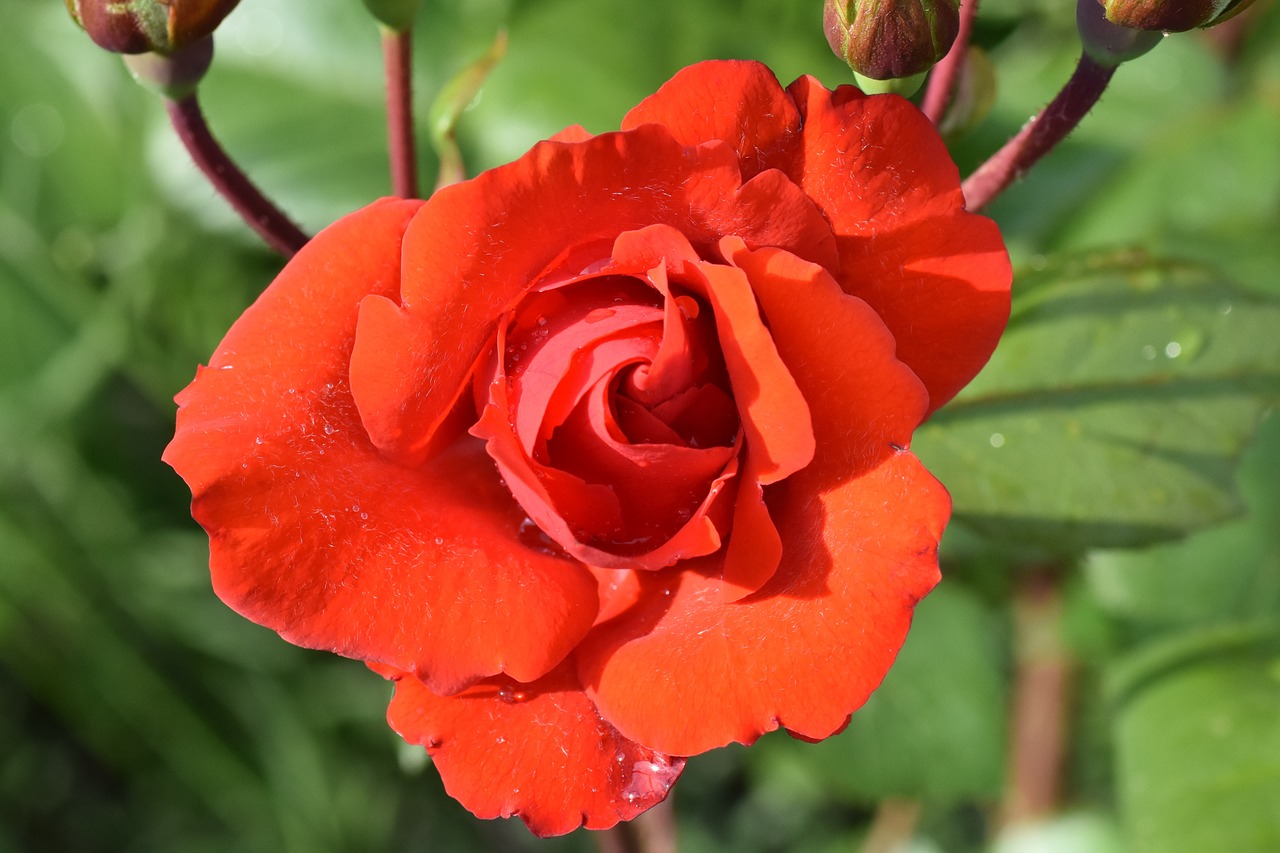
[
  {"x": 355, "y": 507},
  {"x": 293, "y": 390},
  {"x": 439, "y": 540},
  {"x": 329, "y": 429},
  {"x": 997, "y": 439},
  {"x": 1191, "y": 342},
  {"x": 534, "y": 537},
  {"x": 1148, "y": 352},
  {"x": 542, "y": 321},
  {"x": 652, "y": 779},
  {"x": 510, "y": 695},
  {"x": 602, "y": 313},
  {"x": 1173, "y": 349},
  {"x": 364, "y": 515},
  {"x": 501, "y": 739},
  {"x": 258, "y": 440}
]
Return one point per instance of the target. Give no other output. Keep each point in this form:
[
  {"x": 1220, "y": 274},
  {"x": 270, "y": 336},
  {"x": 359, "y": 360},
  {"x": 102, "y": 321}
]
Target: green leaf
[
  {"x": 1115, "y": 408},
  {"x": 1229, "y": 571},
  {"x": 934, "y": 729},
  {"x": 1198, "y": 747}
]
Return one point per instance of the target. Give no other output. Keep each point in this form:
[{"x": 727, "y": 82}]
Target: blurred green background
[{"x": 137, "y": 713}]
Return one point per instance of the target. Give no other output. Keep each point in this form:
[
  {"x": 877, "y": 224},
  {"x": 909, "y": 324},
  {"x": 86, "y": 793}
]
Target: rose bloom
[{"x": 602, "y": 455}]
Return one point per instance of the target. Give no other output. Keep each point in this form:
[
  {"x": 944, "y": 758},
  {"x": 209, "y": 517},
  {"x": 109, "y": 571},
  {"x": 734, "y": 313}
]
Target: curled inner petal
[{"x": 608, "y": 409}]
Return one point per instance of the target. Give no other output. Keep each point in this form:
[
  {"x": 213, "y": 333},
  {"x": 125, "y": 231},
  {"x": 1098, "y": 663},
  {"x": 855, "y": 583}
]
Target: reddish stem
[
  {"x": 254, "y": 208},
  {"x": 893, "y": 826},
  {"x": 1040, "y": 135},
  {"x": 397, "y": 55},
  {"x": 1041, "y": 691},
  {"x": 942, "y": 81},
  {"x": 652, "y": 832}
]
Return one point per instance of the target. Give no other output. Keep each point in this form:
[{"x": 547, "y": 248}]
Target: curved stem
[
  {"x": 254, "y": 208},
  {"x": 1039, "y": 135},
  {"x": 397, "y": 56},
  {"x": 942, "y": 81}
]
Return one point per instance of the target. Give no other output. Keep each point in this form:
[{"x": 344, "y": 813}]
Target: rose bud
[
  {"x": 1170, "y": 16},
  {"x": 890, "y": 39},
  {"x": 148, "y": 26},
  {"x": 603, "y": 455}
]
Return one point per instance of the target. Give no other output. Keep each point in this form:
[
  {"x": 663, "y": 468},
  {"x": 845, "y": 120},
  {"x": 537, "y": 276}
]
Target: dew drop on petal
[
  {"x": 534, "y": 537},
  {"x": 651, "y": 779},
  {"x": 439, "y": 540},
  {"x": 600, "y": 314},
  {"x": 510, "y": 695}
]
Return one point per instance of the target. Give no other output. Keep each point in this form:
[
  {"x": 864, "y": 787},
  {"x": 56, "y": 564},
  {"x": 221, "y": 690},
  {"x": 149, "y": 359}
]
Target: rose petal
[
  {"x": 315, "y": 535},
  {"x": 477, "y": 246},
  {"x": 224, "y": 408},
  {"x": 688, "y": 670},
  {"x": 774, "y": 413},
  {"x": 539, "y": 751},
  {"x": 741, "y": 103},
  {"x": 938, "y": 276}
]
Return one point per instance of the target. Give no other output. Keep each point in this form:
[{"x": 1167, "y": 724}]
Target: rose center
[{"x": 618, "y": 430}]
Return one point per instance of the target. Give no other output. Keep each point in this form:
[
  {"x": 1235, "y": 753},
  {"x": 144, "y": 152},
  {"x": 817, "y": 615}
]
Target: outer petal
[
  {"x": 536, "y": 750},
  {"x": 741, "y": 103},
  {"x": 315, "y": 535},
  {"x": 938, "y": 276},
  {"x": 684, "y": 671}
]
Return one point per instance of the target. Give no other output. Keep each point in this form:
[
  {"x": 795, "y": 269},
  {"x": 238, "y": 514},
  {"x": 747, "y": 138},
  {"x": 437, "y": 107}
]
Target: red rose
[{"x": 601, "y": 455}]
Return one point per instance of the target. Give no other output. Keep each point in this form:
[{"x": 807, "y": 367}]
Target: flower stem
[
  {"x": 893, "y": 826},
  {"x": 254, "y": 208},
  {"x": 397, "y": 56},
  {"x": 942, "y": 81},
  {"x": 1039, "y": 135},
  {"x": 652, "y": 832},
  {"x": 1041, "y": 692}
]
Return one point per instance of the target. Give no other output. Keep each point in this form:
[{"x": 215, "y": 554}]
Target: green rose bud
[
  {"x": 148, "y": 26},
  {"x": 891, "y": 39},
  {"x": 1170, "y": 16}
]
